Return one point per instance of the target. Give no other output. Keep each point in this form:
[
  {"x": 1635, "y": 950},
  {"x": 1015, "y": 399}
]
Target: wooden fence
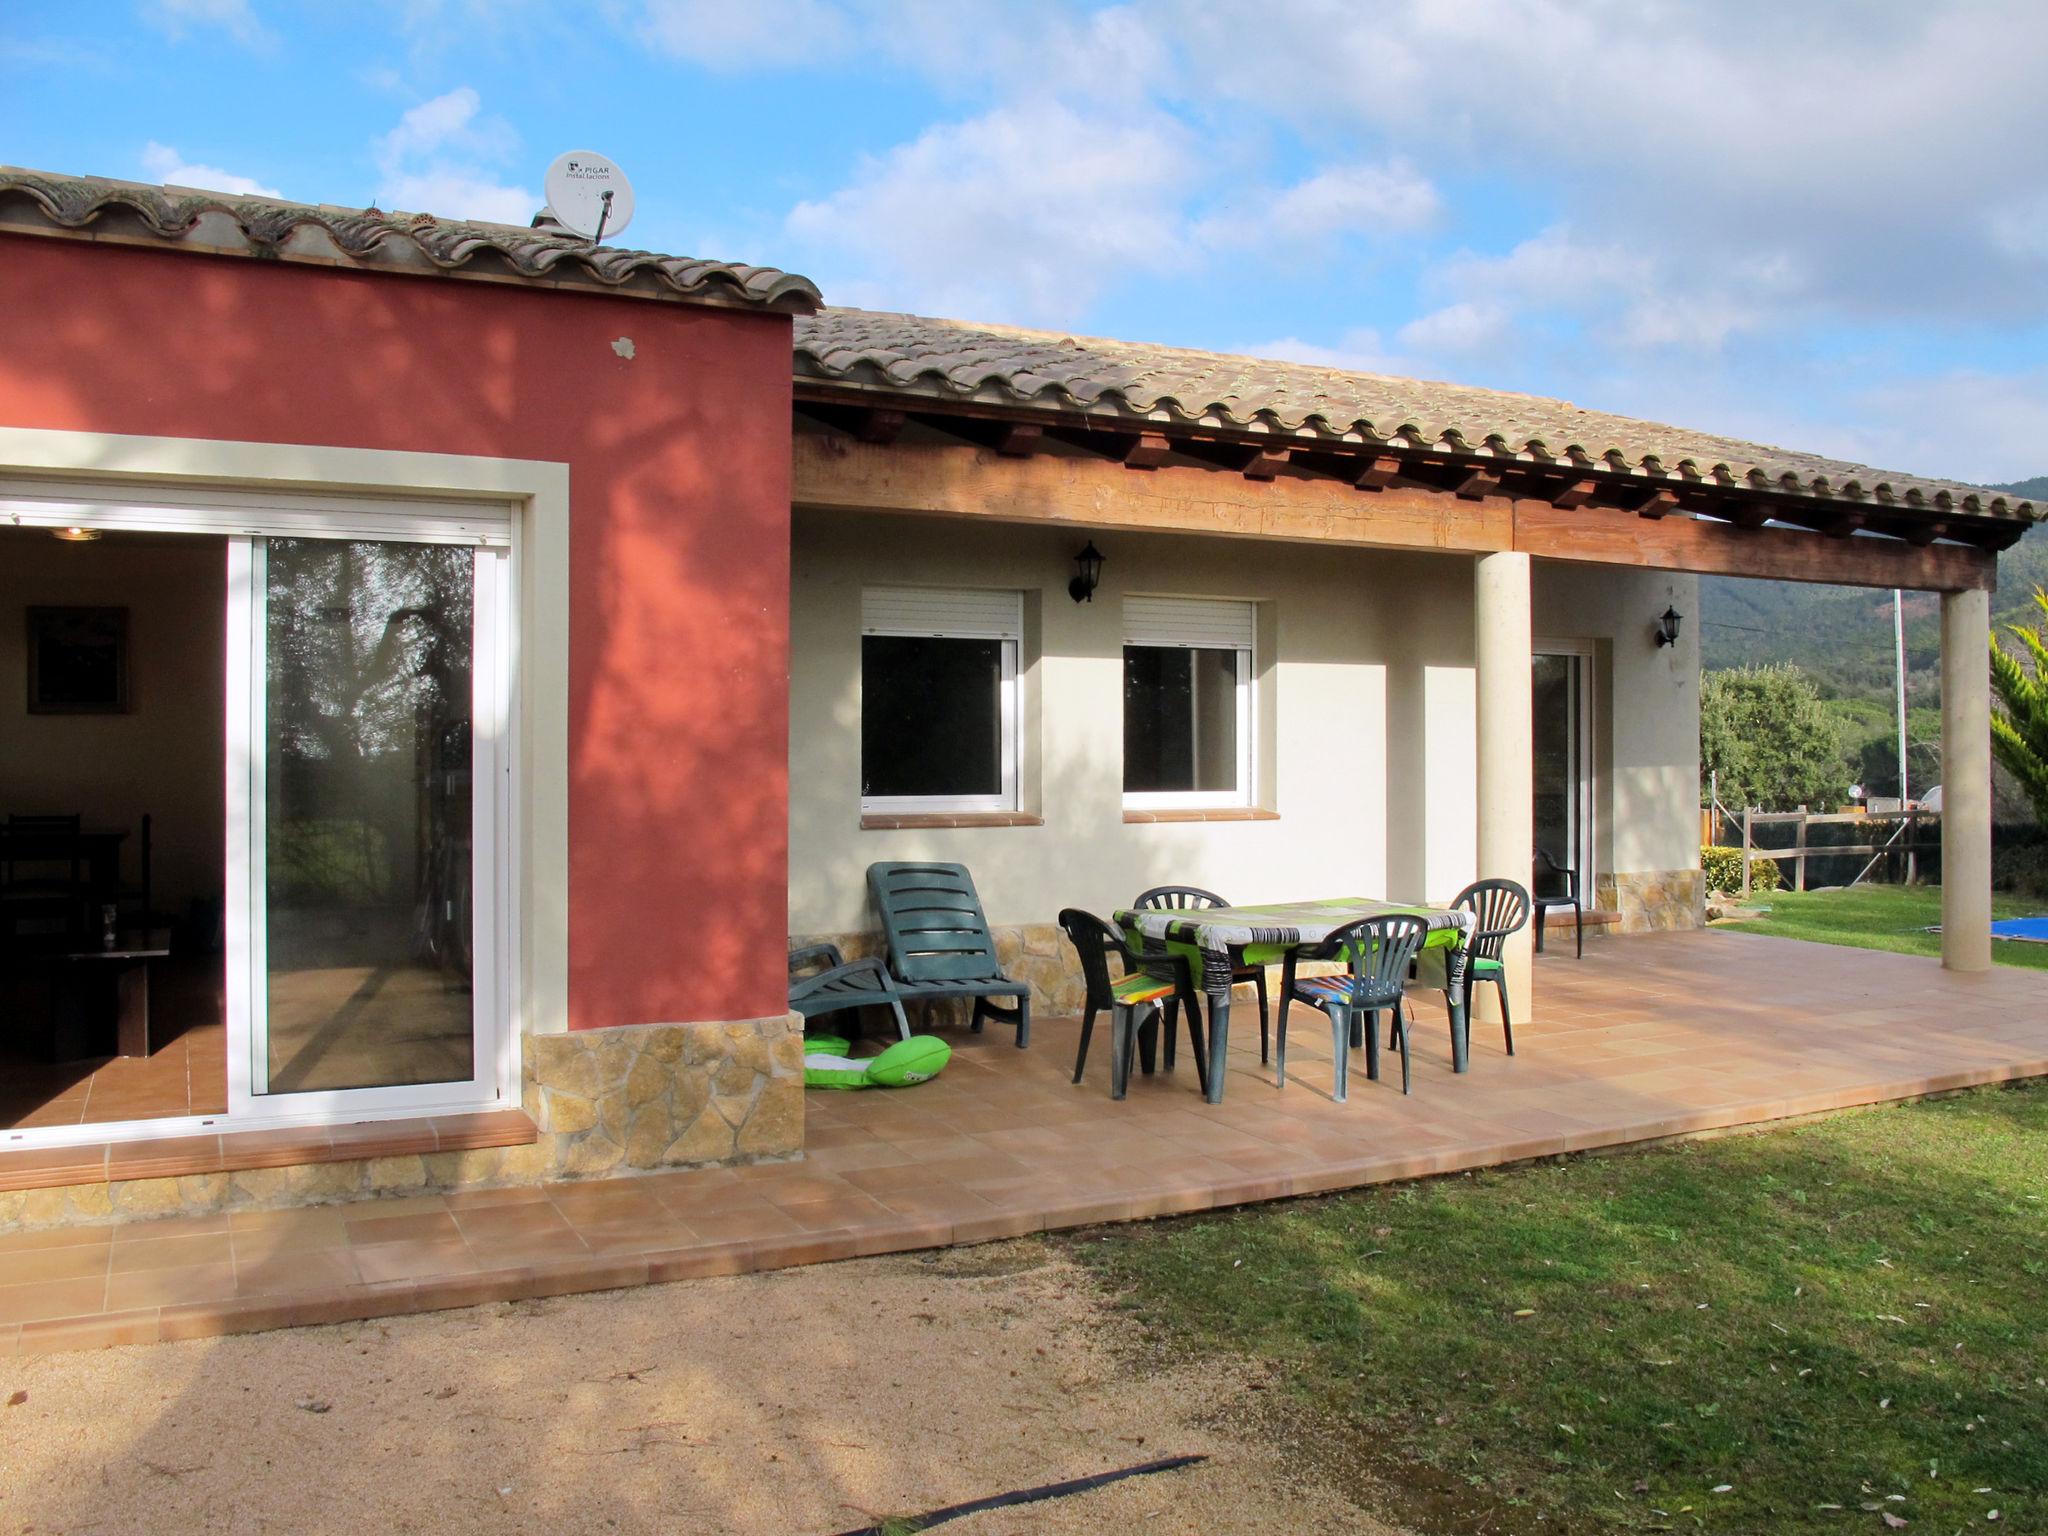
[{"x": 1904, "y": 842}]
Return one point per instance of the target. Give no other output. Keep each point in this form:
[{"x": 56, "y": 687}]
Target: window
[
  {"x": 938, "y": 699},
  {"x": 1187, "y": 702}
]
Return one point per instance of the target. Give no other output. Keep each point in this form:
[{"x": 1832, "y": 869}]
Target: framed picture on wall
[{"x": 77, "y": 661}]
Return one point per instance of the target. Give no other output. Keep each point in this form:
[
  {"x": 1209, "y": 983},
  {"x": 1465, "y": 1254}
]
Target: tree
[
  {"x": 1770, "y": 741},
  {"x": 2019, "y": 725}
]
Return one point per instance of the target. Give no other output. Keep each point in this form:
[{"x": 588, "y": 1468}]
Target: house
[{"x": 522, "y": 642}]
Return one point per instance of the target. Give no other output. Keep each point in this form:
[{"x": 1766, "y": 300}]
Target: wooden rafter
[
  {"x": 1479, "y": 484},
  {"x": 1265, "y": 463},
  {"x": 1380, "y": 472},
  {"x": 1745, "y": 507},
  {"x": 840, "y": 473},
  {"x": 1148, "y": 450}
]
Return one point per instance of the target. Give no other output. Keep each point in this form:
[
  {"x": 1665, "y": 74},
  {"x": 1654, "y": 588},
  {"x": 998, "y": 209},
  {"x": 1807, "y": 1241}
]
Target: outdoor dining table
[{"x": 1228, "y": 937}]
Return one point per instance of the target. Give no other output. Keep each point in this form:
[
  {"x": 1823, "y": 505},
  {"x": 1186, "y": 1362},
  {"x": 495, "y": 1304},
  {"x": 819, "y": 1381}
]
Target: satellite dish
[{"x": 589, "y": 195}]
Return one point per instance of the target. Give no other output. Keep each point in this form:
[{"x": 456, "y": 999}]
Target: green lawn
[
  {"x": 1811, "y": 1329},
  {"x": 1886, "y": 917}
]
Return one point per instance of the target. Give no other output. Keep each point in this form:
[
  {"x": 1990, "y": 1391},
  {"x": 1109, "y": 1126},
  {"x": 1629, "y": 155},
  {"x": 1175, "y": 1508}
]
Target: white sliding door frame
[{"x": 177, "y": 485}]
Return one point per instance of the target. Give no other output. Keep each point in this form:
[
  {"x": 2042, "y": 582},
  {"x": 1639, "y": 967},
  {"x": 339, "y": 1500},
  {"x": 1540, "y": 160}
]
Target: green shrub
[{"x": 1723, "y": 870}]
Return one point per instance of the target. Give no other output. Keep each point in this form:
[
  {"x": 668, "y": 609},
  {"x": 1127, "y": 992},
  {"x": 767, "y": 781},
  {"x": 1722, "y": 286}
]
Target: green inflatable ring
[{"x": 916, "y": 1060}]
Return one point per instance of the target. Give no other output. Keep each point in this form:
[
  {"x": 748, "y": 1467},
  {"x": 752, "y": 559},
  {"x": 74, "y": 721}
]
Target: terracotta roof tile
[
  {"x": 1138, "y": 383},
  {"x": 369, "y": 237}
]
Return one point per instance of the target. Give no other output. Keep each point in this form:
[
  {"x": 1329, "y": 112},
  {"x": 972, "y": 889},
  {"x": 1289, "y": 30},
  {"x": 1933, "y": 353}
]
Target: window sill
[
  {"x": 235, "y": 1151},
  {"x": 933, "y": 821},
  {"x": 1213, "y": 813}
]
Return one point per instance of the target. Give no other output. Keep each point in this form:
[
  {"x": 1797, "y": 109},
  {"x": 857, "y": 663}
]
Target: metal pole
[
  {"x": 1899, "y": 655},
  {"x": 1899, "y": 670}
]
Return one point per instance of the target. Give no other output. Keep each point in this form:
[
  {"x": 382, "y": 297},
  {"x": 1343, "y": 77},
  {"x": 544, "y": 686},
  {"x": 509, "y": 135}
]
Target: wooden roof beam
[
  {"x": 1148, "y": 450},
  {"x": 1380, "y": 472},
  {"x": 1577, "y": 494},
  {"x": 1478, "y": 485},
  {"x": 880, "y": 427},
  {"x": 1265, "y": 463},
  {"x": 1020, "y": 440},
  {"x": 1657, "y": 504}
]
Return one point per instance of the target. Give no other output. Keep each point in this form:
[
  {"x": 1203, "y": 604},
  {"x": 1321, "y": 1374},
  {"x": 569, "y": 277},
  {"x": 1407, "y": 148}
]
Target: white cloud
[
  {"x": 1463, "y": 329},
  {"x": 454, "y": 195},
  {"x": 1372, "y": 200},
  {"x": 1359, "y": 350},
  {"x": 166, "y": 165},
  {"x": 1027, "y": 213},
  {"x": 178, "y": 18},
  {"x": 448, "y": 122},
  {"x": 742, "y": 34},
  {"x": 439, "y": 159}
]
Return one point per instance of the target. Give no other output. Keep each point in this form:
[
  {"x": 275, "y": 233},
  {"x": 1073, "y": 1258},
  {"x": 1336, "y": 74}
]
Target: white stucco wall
[
  {"x": 1365, "y": 708},
  {"x": 1647, "y": 703}
]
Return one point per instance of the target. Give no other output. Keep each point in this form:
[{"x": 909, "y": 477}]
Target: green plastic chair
[
  {"x": 1377, "y": 952},
  {"x": 1192, "y": 898},
  {"x": 939, "y": 942},
  {"x": 841, "y": 985},
  {"x": 1135, "y": 1002},
  {"x": 1499, "y": 908}
]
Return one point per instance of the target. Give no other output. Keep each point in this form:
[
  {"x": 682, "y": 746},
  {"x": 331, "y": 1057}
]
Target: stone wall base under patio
[
  {"x": 607, "y": 1103},
  {"x": 653, "y": 1096},
  {"x": 1654, "y": 901}
]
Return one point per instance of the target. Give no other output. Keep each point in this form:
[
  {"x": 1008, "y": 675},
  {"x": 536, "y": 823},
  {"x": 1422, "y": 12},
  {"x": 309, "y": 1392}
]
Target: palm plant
[{"x": 2019, "y": 725}]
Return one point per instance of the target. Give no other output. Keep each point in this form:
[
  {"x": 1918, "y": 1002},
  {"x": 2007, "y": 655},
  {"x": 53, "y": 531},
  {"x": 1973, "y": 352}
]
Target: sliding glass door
[
  {"x": 1563, "y": 758},
  {"x": 366, "y": 741}
]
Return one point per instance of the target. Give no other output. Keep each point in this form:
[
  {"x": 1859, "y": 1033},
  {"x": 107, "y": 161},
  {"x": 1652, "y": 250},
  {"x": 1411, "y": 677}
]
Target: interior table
[
  {"x": 104, "y": 999},
  {"x": 1227, "y": 937}
]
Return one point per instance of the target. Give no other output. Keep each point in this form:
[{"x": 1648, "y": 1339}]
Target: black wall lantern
[
  {"x": 1667, "y": 627},
  {"x": 1082, "y": 588}
]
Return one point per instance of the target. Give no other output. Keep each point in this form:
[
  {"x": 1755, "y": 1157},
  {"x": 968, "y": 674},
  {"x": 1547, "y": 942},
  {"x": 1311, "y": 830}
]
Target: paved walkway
[{"x": 1644, "y": 1038}]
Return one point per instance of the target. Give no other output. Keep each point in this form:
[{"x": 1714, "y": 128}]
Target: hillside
[{"x": 1844, "y": 634}]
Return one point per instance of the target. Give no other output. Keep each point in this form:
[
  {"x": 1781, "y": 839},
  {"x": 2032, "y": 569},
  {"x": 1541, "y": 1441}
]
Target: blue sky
[{"x": 1821, "y": 224}]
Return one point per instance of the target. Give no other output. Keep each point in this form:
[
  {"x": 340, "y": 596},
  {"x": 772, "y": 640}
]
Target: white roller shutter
[
  {"x": 952, "y": 613},
  {"x": 274, "y": 514},
  {"x": 1195, "y": 623}
]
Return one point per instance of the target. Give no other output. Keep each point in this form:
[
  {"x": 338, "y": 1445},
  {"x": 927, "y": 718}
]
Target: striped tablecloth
[{"x": 1261, "y": 935}]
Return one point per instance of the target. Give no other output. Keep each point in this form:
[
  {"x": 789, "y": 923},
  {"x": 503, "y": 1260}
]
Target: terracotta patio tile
[
  {"x": 525, "y": 1249},
  {"x": 170, "y": 1287},
  {"x": 424, "y": 1226},
  {"x": 52, "y": 1298},
  {"x": 253, "y": 1244},
  {"x": 307, "y": 1308},
  {"x": 505, "y": 1223},
  {"x": 168, "y": 1226},
  {"x": 516, "y": 1194},
  {"x": 55, "y": 1237},
  {"x": 852, "y": 1209},
  {"x": 804, "y": 1188},
  {"x": 703, "y": 1260},
  {"x": 171, "y": 1252},
  {"x": 318, "y": 1269},
  {"x": 51, "y": 1167},
  {"x": 73, "y": 1261},
  {"x": 105, "y": 1330},
  {"x": 415, "y": 1259},
  {"x": 747, "y": 1223}
]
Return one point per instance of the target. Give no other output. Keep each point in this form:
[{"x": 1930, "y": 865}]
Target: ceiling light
[{"x": 76, "y": 535}]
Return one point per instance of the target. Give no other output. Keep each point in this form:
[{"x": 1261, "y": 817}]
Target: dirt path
[{"x": 809, "y": 1401}]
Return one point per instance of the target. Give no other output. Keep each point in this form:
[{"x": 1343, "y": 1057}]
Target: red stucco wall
[{"x": 679, "y": 540}]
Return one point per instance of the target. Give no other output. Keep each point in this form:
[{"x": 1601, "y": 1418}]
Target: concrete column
[
  {"x": 1966, "y": 781},
  {"x": 1506, "y": 743}
]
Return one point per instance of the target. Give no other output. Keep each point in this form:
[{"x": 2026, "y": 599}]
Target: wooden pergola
[{"x": 861, "y": 446}]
